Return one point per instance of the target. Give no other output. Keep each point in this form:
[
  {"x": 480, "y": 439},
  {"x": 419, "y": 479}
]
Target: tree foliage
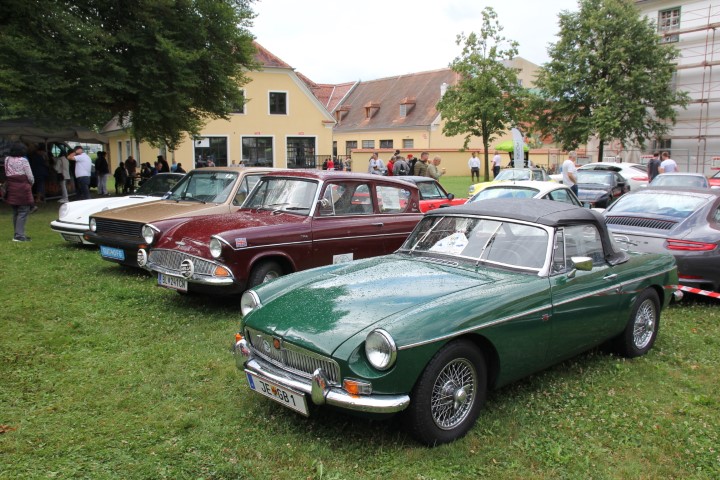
[
  {"x": 487, "y": 99},
  {"x": 608, "y": 76},
  {"x": 162, "y": 66}
]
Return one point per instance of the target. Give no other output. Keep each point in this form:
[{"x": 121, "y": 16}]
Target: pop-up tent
[
  {"x": 28, "y": 130},
  {"x": 507, "y": 146}
]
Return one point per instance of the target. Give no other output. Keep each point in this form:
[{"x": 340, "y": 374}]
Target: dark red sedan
[{"x": 292, "y": 220}]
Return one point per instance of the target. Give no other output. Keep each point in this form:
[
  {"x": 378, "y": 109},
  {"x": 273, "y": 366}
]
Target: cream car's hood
[{"x": 164, "y": 209}]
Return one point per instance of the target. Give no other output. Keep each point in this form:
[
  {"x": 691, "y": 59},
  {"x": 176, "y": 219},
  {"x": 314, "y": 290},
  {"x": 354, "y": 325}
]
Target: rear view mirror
[
  {"x": 584, "y": 264},
  {"x": 451, "y": 196}
]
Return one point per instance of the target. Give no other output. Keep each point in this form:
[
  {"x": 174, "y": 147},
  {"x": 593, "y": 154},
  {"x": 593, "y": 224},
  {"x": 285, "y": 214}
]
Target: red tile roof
[{"x": 268, "y": 59}]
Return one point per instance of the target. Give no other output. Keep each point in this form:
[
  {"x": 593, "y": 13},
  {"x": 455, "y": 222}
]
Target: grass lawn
[{"x": 105, "y": 375}]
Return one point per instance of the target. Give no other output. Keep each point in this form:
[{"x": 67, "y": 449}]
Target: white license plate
[
  {"x": 72, "y": 238},
  {"x": 290, "y": 398},
  {"x": 114, "y": 253},
  {"x": 170, "y": 281}
]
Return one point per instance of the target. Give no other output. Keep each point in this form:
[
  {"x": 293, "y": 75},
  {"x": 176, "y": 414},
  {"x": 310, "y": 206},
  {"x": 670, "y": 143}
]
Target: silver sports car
[{"x": 681, "y": 221}]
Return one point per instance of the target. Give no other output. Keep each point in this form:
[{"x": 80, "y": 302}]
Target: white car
[
  {"x": 74, "y": 216},
  {"x": 528, "y": 189},
  {"x": 634, "y": 174}
]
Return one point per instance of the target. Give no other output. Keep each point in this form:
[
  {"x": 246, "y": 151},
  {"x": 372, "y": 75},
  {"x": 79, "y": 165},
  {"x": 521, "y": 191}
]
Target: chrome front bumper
[{"x": 319, "y": 389}]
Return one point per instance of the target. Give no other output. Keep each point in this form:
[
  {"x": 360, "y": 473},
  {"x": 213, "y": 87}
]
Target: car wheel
[
  {"x": 264, "y": 272},
  {"x": 642, "y": 328},
  {"x": 447, "y": 398}
]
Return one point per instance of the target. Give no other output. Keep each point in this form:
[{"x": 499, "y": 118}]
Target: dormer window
[
  {"x": 341, "y": 111},
  {"x": 406, "y": 104},
  {"x": 371, "y": 108}
]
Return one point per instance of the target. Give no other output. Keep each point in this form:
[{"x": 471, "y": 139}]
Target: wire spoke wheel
[
  {"x": 644, "y": 325},
  {"x": 453, "y": 393}
]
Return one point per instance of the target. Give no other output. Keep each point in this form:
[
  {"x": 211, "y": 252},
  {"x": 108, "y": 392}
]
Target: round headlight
[
  {"x": 142, "y": 257},
  {"x": 63, "y": 210},
  {"x": 380, "y": 349},
  {"x": 249, "y": 302},
  {"x": 215, "y": 247},
  {"x": 93, "y": 225},
  {"x": 148, "y": 234}
]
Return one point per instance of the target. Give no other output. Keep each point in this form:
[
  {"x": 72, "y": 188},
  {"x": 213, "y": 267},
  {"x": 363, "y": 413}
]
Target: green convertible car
[{"x": 478, "y": 296}]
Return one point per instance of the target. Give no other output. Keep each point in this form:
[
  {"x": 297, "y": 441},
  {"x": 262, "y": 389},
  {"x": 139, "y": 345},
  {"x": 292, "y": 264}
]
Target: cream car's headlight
[
  {"x": 63, "y": 210},
  {"x": 148, "y": 234},
  {"x": 93, "y": 225},
  {"x": 215, "y": 247},
  {"x": 249, "y": 302},
  {"x": 380, "y": 349}
]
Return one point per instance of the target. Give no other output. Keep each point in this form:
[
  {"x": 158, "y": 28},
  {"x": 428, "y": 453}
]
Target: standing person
[
  {"x": 401, "y": 167},
  {"x": 411, "y": 161},
  {"x": 19, "y": 180},
  {"x": 62, "y": 167},
  {"x": 497, "y": 160},
  {"x": 330, "y": 164},
  {"x": 180, "y": 169},
  {"x": 569, "y": 171},
  {"x": 474, "y": 166},
  {"x": 83, "y": 170},
  {"x": 420, "y": 169},
  {"x": 121, "y": 176},
  {"x": 40, "y": 166},
  {"x": 131, "y": 166},
  {"x": 668, "y": 165},
  {"x": 102, "y": 170},
  {"x": 391, "y": 165},
  {"x": 164, "y": 167},
  {"x": 174, "y": 165},
  {"x": 653, "y": 166},
  {"x": 376, "y": 166},
  {"x": 433, "y": 169}
]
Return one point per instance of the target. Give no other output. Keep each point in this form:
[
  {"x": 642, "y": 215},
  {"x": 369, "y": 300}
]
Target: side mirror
[
  {"x": 584, "y": 264},
  {"x": 451, "y": 196}
]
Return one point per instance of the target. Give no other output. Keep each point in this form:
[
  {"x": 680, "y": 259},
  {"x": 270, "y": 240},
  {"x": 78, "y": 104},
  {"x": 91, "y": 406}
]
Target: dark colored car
[
  {"x": 292, "y": 220},
  {"x": 478, "y": 296},
  {"x": 599, "y": 188},
  {"x": 432, "y": 194},
  {"x": 680, "y": 221}
]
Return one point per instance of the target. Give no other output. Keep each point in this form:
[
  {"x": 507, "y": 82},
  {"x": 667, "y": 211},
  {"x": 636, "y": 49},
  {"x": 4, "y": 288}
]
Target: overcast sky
[{"x": 341, "y": 41}]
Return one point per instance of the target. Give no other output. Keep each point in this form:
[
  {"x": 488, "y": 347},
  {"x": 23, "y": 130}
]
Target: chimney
[{"x": 443, "y": 89}]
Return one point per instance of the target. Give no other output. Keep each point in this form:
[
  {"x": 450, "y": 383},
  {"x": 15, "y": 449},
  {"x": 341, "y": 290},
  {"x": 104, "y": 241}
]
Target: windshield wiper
[
  {"x": 192, "y": 199},
  {"x": 297, "y": 208}
]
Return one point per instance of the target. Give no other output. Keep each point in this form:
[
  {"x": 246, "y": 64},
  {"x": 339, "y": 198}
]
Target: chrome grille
[
  {"x": 171, "y": 260},
  {"x": 640, "y": 222},
  {"x": 295, "y": 359},
  {"x": 118, "y": 227}
]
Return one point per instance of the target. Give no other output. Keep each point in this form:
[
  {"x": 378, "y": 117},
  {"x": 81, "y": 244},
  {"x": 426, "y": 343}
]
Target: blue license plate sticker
[{"x": 114, "y": 253}]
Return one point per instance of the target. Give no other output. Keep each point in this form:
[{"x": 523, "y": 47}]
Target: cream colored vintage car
[{"x": 203, "y": 191}]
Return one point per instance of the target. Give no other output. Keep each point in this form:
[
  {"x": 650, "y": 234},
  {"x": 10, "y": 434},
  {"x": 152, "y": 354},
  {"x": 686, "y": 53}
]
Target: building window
[
  {"x": 257, "y": 151},
  {"x": 669, "y": 20},
  {"x": 368, "y": 144},
  {"x": 278, "y": 103},
  {"x": 211, "y": 148},
  {"x": 408, "y": 143},
  {"x": 239, "y": 108},
  {"x": 662, "y": 144},
  {"x": 350, "y": 146},
  {"x": 386, "y": 144},
  {"x": 403, "y": 110},
  {"x": 301, "y": 152}
]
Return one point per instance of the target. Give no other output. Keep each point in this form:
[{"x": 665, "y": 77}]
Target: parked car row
[{"x": 410, "y": 313}]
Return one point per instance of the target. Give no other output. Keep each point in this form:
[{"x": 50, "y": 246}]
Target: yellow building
[{"x": 282, "y": 124}]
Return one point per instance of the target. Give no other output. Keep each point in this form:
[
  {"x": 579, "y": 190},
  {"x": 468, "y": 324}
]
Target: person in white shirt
[
  {"x": 668, "y": 165},
  {"x": 497, "y": 160},
  {"x": 474, "y": 165},
  {"x": 569, "y": 170},
  {"x": 376, "y": 165},
  {"x": 83, "y": 170}
]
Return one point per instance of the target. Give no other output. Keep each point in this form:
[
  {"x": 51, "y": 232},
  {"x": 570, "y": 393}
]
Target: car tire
[
  {"x": 642, "y": 328},
  {"x": 263, "y": 272},
  {"x": 456, "y": 373}
]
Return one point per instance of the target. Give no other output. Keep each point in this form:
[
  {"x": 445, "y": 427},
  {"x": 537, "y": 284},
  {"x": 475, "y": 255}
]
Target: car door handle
[
  {"x": 378, "y": 224},
  {"x": 610, "y": 277}
]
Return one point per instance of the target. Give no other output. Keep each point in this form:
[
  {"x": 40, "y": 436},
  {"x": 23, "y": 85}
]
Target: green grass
[
  {"x": 105, "y": 375},
  {"x": 457, "y": 185}
]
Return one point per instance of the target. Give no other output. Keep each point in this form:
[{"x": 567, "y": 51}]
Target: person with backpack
[{"x": 401, "y": 167}]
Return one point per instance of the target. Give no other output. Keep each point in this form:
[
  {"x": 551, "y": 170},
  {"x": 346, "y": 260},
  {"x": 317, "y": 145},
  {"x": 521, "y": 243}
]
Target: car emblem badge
[
  {"x": 266, "y": 346},
  {"x": 181, "y": 243},
  {"x": 187, "y": 268}
]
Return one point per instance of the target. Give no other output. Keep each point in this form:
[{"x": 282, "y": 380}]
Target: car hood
[
  {"x": 592, "y": 191},
  {"x": 254, "y": 227},
  {"x": 322, "y": 309},
  {"x": 164, "y": 209},
  {"x": 80, "y": 211}
]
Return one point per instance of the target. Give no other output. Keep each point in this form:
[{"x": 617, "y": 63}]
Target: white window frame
[{"x": 287, "y": 102}]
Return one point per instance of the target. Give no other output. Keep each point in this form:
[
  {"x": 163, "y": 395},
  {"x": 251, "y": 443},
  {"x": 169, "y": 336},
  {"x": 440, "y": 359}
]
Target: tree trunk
[
  {"x": 487, "y": 162},
  {"x": 600, "y": 150}
]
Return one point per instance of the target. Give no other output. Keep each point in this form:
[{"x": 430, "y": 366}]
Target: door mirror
[
  {"x": 451, "y": 196},
  {"x": 584, "y": 264}
]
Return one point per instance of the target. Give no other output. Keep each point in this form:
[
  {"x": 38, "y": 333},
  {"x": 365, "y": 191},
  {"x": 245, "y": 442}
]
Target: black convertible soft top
[{"x": 544, "y": 212}]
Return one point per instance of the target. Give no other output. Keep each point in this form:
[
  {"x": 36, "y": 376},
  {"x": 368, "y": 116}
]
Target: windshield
[
  {"x": 670, "y": 204},
  {"x": 514, "y": 174},
  {"x": 480, "y": 240},
  {"x": 158, "y": 185},
  {"x": 504, "y": 192},
  {"x": 595, "y": 176},
  {"x": 286, "y": 194},
  {"x": 690, "y": 181},
  {"x": 204, "y": 186}
]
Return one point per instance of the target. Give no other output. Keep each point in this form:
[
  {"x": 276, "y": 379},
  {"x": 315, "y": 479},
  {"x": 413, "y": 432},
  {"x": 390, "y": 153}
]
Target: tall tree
[
  {"x": 163, "y": 66},
  {"x": 487, "y": 100},
  {"x": 609, "y": 76}
]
